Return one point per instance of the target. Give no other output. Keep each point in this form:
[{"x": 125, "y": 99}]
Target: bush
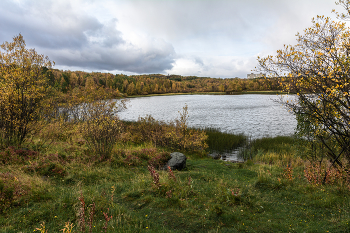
[
  {"x": 324, "y": 173},
  {"x": 101, "y": 128},
  {"x": 174, "y": 135},
  {"x": 142, "y": 156},
  {"x": 11, "y": 155},
  {"x": 160, "y": 159}
]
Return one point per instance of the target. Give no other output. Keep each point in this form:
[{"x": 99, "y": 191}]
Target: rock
[
  {"x": 177, "y": 161},
  {"x": 236, "y": 161},
  {"x": 215, "y": 155}
]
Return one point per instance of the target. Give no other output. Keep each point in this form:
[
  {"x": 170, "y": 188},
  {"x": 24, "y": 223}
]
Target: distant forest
[{"x": 69, "y": 81}]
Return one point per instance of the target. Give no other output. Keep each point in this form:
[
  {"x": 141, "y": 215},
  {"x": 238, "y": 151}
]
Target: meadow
[{"x": 59, "y": 183}]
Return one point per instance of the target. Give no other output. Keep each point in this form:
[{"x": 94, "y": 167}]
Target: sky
[{"x": 206, "y": 38}]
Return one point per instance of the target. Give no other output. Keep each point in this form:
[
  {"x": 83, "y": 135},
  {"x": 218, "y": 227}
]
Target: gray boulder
[
  {"x": 177, "y": 161},
  {"x": 215, "y": 155}
]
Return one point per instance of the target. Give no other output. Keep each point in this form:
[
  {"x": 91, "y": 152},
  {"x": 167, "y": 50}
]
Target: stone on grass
[
  {"x": 216, "y": 156},
  {"x": 177, "y": 161}
]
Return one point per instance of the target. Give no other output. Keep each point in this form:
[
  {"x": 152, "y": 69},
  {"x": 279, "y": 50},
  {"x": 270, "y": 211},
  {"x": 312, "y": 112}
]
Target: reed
[
  {"x": 221, "y": 142},
  {"x": 257, "y": 148}
]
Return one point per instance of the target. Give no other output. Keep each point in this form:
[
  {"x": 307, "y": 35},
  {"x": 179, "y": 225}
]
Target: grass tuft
[{"x": 223, "y": 142}]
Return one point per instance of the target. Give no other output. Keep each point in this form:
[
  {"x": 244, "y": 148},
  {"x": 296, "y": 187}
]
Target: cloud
[
  {"x": 220, "y": 38},
  {"x": 231, "y": 32},
  {"x": 122, "y": 57},
  {"x": 71, "y": 37},
  {"x": 49, "y": 25},
  {"x": 214, "y": 66}
]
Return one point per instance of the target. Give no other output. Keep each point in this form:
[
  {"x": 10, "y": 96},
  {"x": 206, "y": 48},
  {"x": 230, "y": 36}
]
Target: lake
[{"x": 254, "y": 115}]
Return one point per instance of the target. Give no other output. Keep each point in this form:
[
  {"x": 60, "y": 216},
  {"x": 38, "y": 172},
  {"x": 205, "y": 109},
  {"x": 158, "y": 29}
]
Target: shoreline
[{"x": 214, "y": 93}]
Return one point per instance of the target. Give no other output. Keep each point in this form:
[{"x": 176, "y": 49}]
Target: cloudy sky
[{"x": 212, "y": 38}]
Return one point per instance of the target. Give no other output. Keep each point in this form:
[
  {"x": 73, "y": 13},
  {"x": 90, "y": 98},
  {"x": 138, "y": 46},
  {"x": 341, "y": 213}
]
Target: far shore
[{"x": 214, "y": 93}]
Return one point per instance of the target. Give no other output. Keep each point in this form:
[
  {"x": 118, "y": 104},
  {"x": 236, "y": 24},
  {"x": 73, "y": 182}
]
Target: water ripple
[{"x": 254, "y": 115}]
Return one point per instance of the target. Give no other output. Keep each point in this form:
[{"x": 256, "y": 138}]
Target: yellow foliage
[
  {"x": 319, "y": 74},
  {"x": 101, "y": 127},
  {"x": 23, "y": 88}
]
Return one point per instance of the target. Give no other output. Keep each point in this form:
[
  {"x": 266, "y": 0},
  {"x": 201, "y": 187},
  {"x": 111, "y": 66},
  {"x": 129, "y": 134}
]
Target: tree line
[{"x": 146, "y": 84}]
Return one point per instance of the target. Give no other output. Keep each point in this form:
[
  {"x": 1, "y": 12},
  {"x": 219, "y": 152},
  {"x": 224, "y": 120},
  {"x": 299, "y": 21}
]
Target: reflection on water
[{"x": 256, "y": 116}]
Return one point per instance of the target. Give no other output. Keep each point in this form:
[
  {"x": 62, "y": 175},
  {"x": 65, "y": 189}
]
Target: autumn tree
[
  {"x": 318, "y": 71},
  {"x": 23, "y": 87}
]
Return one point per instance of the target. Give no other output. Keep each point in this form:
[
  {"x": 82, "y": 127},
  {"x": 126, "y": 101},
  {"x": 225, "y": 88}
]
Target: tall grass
[
  {"x": 280, "y": 145},
  {"x": 222, "y": 142}
]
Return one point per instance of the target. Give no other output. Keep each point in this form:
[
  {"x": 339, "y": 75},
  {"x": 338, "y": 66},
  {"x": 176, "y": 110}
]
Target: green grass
[
  {"x": 260, "y": 195},
  {"x": 263, "y": 203}
]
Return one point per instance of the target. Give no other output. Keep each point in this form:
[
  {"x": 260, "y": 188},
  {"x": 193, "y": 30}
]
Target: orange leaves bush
[
  {"x": 315, "y": 173},
  {"x": 288, "y": 173},
  {"x": 11, "y": 155},
  {"x": 316, "y": 69},
  {"x": 152, "y": 156}
]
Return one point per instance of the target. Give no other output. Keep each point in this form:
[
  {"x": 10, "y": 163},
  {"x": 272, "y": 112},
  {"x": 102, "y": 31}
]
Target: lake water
[{"x": 256, "y": 116}]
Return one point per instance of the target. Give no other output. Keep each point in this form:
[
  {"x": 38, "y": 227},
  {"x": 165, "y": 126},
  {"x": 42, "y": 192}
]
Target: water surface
[{"x": 255, "y": 115}]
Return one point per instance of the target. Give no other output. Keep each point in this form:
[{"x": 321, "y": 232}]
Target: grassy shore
[
  {"x": 268, "y": 193},
  {"x": 223, "y": 142}
]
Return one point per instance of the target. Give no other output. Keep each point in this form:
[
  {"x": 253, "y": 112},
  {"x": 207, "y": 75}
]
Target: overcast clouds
[{"x": 215, "y": 38}]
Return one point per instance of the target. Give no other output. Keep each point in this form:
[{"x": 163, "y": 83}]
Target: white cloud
[
  {"x": 218, "y": 38},
  {"x": 214, "y": 66}
]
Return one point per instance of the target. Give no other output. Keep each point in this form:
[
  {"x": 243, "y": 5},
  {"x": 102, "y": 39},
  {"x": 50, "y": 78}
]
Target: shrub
[
  {"x": 324, "y": 173},
  {"x": 11, "y": 155},
  {"x": 160, "y": 159},
  {"x": 173, "y": 135},
  {"x": 101, "y": 128},
  {"x": 141, "y": 156}
]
